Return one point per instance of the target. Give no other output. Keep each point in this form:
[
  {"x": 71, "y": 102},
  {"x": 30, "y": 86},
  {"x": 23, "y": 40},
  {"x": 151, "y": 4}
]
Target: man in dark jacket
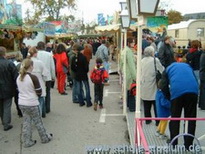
[
  {"x": 179, "y": 84},
  {"x": 166, "y": 53},
  {"x": 79, "y": 66},
  {"x": 8, "y": 75}
]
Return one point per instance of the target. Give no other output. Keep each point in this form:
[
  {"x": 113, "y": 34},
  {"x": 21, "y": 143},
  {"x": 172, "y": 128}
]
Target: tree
[
  {"x": 174, "y": 17},
  {"x": 50, "y": 9}
]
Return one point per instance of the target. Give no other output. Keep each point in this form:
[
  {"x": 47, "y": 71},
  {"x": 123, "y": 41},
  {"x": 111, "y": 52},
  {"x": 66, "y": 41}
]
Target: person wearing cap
[{"x": 166, "y": 52}]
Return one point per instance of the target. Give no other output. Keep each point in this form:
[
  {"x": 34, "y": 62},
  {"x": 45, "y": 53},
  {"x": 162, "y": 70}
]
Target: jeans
[
  {"x": 87, "y": 91},
  {"x": 5, "y": 111},
  {"x": 107, "y": 66},
  {"x": 79, "y": 88},
  {"x": 196, "y": 72},
  {"x": 75, "y": 91},
  {"x": 42, "y": 106}
]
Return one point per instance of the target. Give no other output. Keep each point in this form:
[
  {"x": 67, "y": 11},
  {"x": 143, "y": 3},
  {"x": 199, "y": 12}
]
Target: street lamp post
[
  {"x": 141, "y": 9},
  {"x": 125, "y": 23}
]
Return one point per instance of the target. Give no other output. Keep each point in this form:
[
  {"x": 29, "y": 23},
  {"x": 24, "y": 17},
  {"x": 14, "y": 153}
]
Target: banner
[
  {"x": 101, "y": 20},
  {"x": 10, "y": 14},
  {"x": 48, "y": 28},
  {"x": 156, "y": 24}
]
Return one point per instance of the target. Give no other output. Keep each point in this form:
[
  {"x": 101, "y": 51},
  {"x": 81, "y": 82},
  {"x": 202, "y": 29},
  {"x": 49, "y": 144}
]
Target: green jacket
[
  {"x": 131, "y": 70},
  {"x": 71, "y": 54}
]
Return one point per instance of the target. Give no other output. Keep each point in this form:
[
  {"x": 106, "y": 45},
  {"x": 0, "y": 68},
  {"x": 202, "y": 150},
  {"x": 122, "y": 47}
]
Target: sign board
[{"x": 156, "y": 24}]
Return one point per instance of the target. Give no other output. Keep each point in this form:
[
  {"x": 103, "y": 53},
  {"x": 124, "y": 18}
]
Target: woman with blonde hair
[{"x": 29, "y": 91}]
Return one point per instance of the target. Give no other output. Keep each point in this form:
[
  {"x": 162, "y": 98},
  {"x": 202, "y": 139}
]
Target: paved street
[{"x": 74, "y": 128}]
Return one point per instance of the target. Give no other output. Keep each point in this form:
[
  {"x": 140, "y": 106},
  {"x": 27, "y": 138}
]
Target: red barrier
[{"x": 138, "y": 130}]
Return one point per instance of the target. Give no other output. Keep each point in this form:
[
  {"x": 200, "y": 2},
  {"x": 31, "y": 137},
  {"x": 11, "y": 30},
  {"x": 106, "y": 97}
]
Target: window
[
  {"x": 200, "y": 32},
  {"x": 177, "y": 33}
]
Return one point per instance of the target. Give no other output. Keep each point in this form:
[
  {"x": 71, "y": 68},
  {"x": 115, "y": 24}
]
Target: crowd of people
[
  {"x": 33, "y": 73},
  {"x": 30, "y": 76},
  {"x": 180, "y": 87}
]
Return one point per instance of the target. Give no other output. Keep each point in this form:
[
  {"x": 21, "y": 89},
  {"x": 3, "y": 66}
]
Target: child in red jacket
[{"x": 99, "y": 76}]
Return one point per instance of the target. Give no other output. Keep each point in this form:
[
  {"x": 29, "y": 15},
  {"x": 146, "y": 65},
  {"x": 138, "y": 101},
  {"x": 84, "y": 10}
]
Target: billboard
[{"x": 157, "y": 23}]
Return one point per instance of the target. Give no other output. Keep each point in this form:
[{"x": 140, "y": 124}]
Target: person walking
[
  {"x": 24, "y": 50},
  {"x": 47, "y": 59},
  {"x": 29, "y": 91},
  {"x": 61, "y": 67},
  {"x": 148, "y": 81},
  {"x": 193, "y": 57},
  {"x": 40, "y": 71},
  {"x": 202, "y": 82},
  {"x": 103, "y": 53},
  {"x": 87, "y": 52},
  {"x": 166, "y": 53},
  {"x": 17, "y": 62},
  {"x": 130, "y": 69},
  {"x": 79, "y": 66},
  {"x": 179, "y": 84},
  {"x": 8, "y": 75},
  {"x": 99, "y": 76},
  {"x": 163, "y": 111}
]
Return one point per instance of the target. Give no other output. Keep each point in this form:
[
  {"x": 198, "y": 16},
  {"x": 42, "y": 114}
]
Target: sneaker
[
  {"x": 106, "y": 83},
  {"x": 89, "y": 105},
  {"x": 64, "y": 93},
  {"x": 8, "y": 128},
  {"x": 163, "y": 137},
  {"x": 50, "y": 137},
  {"x": 157, "y": 133},
  {"x": 30, "y": 144},
  {"x": 95, "y": 106},
  {"x": 100, "y": 106},
  {"x": 81, "y": 104}
]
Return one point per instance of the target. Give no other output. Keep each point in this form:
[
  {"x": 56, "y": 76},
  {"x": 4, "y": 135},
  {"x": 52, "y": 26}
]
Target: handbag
[
  {"x": 157, "y": 72},
  {"x": 65, "y": 69}
]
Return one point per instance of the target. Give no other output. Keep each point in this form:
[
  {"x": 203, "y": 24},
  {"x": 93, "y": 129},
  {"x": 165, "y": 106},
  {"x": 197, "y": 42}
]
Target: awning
[{"x": 108, "y": 28}]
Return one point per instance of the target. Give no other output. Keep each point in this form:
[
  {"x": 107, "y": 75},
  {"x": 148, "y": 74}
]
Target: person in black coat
[
  {"x": 79, "y": 65},
  {"x": 166, "y": 53},
  {"x": 24, "y": 50},
  {"x": 202, "y": 82},
  {"x": 193, "y": 57},
  {"x": 8, "y": 75}
]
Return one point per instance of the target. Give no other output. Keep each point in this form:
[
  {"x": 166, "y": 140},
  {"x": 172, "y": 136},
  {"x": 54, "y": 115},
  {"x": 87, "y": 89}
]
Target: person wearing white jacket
[
  {"x": 148, "y": 81},
  {"x": 42, "y": 74},
  {"x": 47, "y": 59}
]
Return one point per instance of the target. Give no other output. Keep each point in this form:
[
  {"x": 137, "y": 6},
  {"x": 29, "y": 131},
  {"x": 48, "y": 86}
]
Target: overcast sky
[{"x": 88, "y": 9}]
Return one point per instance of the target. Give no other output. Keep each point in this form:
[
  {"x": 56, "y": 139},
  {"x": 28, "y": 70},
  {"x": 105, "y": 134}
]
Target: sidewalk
[
  {"x": 149, "y": 130},
  {"x": 74, "y": 128}
]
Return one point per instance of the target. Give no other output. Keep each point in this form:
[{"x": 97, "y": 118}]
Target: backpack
[{"x": 97, "y": 76}]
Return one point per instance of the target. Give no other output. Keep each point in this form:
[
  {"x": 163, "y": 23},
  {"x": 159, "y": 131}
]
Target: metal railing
[{"x": 140, "y": 139}]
